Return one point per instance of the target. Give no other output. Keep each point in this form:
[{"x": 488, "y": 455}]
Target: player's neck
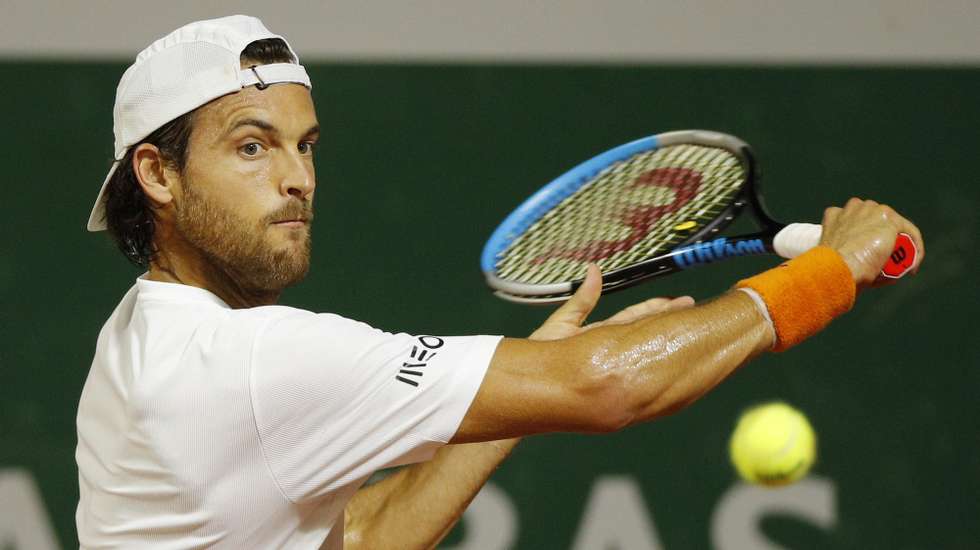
[{"x": 195, "y": 271}]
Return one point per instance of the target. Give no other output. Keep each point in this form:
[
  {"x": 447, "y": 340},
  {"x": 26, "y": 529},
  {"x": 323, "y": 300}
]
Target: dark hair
[{"x": 128, "y": 212}]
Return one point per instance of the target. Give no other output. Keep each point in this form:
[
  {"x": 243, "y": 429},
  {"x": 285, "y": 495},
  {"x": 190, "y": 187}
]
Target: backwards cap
[{"x": 180, "y": 72}]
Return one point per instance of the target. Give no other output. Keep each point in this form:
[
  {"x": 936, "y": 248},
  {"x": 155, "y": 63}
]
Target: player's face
[{"x": 247, "y": 191}]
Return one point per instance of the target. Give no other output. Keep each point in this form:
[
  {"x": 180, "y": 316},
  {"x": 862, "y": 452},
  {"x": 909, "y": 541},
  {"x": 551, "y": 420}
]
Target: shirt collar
[{"x": 176, "y": 291}]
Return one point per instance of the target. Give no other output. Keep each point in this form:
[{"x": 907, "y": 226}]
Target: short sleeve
[{"x": 335, "y": 400}]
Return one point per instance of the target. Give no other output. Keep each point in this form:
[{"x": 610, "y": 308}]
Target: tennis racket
[{"x": 648, "y": 208}]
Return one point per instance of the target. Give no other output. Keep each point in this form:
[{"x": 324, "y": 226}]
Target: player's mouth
[{"x": 292, "y": 223}]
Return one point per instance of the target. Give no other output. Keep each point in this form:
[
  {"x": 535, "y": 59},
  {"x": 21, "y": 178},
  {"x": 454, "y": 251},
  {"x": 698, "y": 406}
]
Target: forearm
[
  {"x": 418, "y": 505},
  {"x": 661, "y": 364},
  {"x": 615, "y": 375}
]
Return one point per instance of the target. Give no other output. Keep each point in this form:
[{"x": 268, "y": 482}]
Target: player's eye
[
  {"x": 251, "y": 149},
  {"x": 307, "y": 147}
]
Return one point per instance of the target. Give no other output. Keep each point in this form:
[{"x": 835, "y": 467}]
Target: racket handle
[{"x": 797, "y": 238}]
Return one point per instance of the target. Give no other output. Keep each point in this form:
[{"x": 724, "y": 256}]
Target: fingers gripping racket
[{"x": 648, "y": 208}]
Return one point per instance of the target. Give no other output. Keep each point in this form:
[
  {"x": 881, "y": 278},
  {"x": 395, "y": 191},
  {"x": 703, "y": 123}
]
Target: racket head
[{"x": 619, "y": 209}]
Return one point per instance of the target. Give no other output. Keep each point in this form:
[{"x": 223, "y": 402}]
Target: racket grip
[{"x": 797, "y": 238}]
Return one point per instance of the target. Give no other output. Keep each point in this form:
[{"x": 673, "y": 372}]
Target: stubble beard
[{"x": 239, "y": 247}]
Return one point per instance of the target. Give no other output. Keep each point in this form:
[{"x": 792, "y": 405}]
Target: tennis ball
[{"x": 773, "y": 444}]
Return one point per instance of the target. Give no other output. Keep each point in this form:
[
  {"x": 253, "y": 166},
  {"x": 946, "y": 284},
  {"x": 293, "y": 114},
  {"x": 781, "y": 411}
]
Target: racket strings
[{"x": 625, "y": 214}]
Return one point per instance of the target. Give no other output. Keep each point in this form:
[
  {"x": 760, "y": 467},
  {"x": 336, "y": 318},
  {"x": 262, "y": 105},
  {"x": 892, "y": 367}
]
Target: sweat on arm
[{"x": 614, "y": 376}]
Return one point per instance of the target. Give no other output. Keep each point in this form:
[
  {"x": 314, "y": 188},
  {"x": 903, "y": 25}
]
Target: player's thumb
[{"x": 581, "y": 304}]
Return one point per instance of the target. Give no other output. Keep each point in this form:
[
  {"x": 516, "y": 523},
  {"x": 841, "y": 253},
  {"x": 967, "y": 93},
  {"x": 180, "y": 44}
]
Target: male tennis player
[{"x": 214, "y": 418}]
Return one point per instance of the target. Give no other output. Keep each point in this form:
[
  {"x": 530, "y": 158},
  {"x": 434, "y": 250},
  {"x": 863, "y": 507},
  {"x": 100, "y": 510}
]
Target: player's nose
[{"x": 297, "y": 178}]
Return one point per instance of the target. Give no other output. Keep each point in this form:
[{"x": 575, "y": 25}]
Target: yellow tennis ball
[{"x": 773, "y": 444}]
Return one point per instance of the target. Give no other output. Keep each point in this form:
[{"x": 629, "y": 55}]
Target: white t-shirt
[{"x": 206, "y": 426}]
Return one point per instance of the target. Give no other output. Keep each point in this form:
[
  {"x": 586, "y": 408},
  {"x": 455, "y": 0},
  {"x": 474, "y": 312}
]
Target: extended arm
[
  {"x": 618, "y": 375},
  {"x": 615, "y": 375}
]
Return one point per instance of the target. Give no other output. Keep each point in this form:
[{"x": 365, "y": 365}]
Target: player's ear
[{"x": 154, "y": 174}]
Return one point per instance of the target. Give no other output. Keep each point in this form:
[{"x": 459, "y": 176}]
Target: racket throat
[{"x": 721, "y": 248}]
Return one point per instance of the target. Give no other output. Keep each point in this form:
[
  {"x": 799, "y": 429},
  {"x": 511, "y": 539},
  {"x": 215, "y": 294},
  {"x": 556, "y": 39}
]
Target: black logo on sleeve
[{"x": 419, "y": 357}]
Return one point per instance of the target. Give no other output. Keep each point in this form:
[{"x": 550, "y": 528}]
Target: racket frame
[{"x": 544, "y": 200}]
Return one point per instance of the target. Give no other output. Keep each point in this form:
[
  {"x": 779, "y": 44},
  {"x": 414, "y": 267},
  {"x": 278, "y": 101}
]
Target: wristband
[{"x": 804, "y": 294}]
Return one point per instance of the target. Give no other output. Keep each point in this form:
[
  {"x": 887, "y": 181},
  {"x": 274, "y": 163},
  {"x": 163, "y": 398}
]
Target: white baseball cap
[{"x": 180, "y": 72}]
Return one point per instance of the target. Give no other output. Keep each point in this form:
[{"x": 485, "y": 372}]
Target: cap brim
[{"x": 96, "y": 220}]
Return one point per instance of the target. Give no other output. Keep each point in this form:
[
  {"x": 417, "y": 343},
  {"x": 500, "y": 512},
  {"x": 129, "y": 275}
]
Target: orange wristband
[{"x": 804, "y": 294}]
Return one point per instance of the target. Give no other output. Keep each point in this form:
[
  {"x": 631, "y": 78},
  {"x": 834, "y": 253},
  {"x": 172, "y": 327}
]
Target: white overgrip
[{"x": 796, "y": 238}]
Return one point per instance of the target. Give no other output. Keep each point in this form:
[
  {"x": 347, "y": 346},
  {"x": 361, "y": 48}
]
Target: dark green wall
[{"x": 418, "y": 164}]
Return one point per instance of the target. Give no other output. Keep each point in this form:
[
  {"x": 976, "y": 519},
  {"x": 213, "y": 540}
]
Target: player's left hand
[
  {"x": 863, "y": 232},
  {"x": 567, "y": 320}
]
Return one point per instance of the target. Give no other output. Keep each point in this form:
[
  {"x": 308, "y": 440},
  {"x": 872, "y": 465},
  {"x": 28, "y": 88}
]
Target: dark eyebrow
[{"x": 263, "y": 125}]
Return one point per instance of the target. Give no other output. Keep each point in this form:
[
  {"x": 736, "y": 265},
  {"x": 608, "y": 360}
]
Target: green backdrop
[{"x": 419, "y": 162}]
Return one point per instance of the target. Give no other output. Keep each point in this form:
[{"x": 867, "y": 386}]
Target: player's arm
[
  {"x": 618, "y": 375},
  {"x": 418, "y": 505},
  {"x": 615, "y": 376}
]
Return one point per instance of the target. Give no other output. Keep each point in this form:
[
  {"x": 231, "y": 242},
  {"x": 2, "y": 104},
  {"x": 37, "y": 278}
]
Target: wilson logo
[
  {"x": 640, "y": 219},
  {"x": 718, "y": 249}
]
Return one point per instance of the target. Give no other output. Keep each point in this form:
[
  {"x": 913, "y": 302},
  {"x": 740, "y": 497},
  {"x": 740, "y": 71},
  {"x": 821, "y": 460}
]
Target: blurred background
[{"x": 442, "y": 116}]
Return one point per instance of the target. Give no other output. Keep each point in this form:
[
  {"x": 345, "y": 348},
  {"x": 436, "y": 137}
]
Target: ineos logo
[{"x": 419, "y": 357}]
